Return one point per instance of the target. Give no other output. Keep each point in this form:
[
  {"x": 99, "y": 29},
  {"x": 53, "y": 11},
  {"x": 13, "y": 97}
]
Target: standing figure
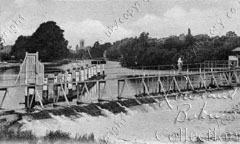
[{"x": 180, "y": 63}]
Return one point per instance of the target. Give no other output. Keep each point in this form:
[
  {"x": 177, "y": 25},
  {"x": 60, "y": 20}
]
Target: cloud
[
  {"x": 89, "y": 20},
  {"x": 176, "y": 20},
  {"x": 91, "y": 30},
  {"x": 26, "y": 3},
  {"x": 175, "y": 13},
  {"x": 19, "y": 3}
]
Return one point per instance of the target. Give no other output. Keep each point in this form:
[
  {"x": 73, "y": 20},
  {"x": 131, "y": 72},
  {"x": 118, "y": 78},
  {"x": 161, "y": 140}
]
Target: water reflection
[{"x": 8, "y": 75}]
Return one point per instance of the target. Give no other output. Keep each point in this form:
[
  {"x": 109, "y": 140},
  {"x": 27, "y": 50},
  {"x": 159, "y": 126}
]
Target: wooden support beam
[
  {"x": 86, "y": 88},
  {"x": 4, "y": 96},
  {"x": 104, "y": 88},
  {"x": 236, "y": 77},
  {"x": 98, "y": 90},
  {"x": 65, "y": 96},
  {"x": 203, "y": 81},
  {"x": 176, "y": 83},
  {"x": 225, "y": 77},
  {"x": 58, "y": 94},
  {"x": 120, "y": 89},
  {"x": 78, "y": 91},
  {"x": 215, "y": 80},
  {"x": 170, "y": 84},
  {"x": 189, "y": 81},
  {"x": 81, "y": 86},
  {"x": 145, "y": 86},
  {"x": 40, "y": 100},
  {"x": 230, "y": 77},
  {"x": 109, "y": 90},
  {"x": 126, "y": 86},
  {"x": 161, "y": 86}
]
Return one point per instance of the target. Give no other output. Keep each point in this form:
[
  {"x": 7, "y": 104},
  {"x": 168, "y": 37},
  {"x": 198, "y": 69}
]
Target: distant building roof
[{"x": 236, "y": 49}]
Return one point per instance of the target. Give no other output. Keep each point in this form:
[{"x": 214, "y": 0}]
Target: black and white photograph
[{"x": 119, "y": 71}]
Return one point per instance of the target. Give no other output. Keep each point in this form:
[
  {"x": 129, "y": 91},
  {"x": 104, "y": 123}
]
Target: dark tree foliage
[
  {"x": 48, "y": 40},
  {"x": 20, "y": 47},
  {"x": 113, "y": 54},
  {"x": 146, "y": 51},
  {"x": 98, "y": 50}
]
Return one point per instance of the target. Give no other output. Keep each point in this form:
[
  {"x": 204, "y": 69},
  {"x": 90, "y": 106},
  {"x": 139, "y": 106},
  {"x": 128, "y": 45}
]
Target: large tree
[{"x": 48, "y": 40}]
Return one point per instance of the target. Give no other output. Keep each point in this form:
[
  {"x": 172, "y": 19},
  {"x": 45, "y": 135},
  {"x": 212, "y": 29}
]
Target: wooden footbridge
[{"x": 89, "y": 83}]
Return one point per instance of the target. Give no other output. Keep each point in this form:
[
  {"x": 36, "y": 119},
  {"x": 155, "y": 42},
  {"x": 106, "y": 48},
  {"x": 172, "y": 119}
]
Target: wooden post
[
  {"x": 64, "y": 83},
  {"x": 174, "y": 85},
  {"x": 78, "y": 91},
  {"x": 55, "y": 86},
  {"x": 81, "y": 88},
  {"x": 215, "y": 80},
  {"x": 98, "y": 90},
  {"x": 30, "y": 97},
  {"x": 120, "y": 89},
  {"x": 90, "y": 72},
  {"x": 69, "y": 81},
  {"x": 161, "y": 87},
  {"x": 103, "y": 70},
  {"x": 60, "y": 79},
  {"x": 98, "y": 70},
  {"x": 64, "y": 94},
  {"x": 86, "y": 73},
  {"x": 6, "y": 91},
  {"x": 95, "y": 70},
  {"x": 45, "y": 88},
  {"x": 74, "y": 79},
  {"x": 82, "y": 74},
  {"x": 78, "y": 75},
  {"x": 144, "y": 89},
  {"x": 77, "y": 85},
  {"x": 203, "y": 81}
]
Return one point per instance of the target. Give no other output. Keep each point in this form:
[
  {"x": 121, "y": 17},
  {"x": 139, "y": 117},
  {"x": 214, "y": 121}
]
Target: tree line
[
  {"x": 142, "y": 50},
  {"x": 146, "y": 51}
]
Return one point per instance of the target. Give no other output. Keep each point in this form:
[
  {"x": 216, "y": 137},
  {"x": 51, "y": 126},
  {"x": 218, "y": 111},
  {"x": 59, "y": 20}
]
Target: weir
[
  {"x": 88, "y": 84},
  {"x": 89, "y": 89}
]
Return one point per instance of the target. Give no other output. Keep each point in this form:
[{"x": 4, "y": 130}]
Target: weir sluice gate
[{"x": 87, "y": 89}]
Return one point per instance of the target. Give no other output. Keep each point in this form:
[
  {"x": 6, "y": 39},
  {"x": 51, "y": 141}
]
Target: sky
[{"x": 112, "y": 20}]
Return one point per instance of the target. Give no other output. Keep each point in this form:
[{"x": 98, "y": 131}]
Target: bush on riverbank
[
  {"x": 51, "y": 137},
  {"x": 6, "y": 135}
]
